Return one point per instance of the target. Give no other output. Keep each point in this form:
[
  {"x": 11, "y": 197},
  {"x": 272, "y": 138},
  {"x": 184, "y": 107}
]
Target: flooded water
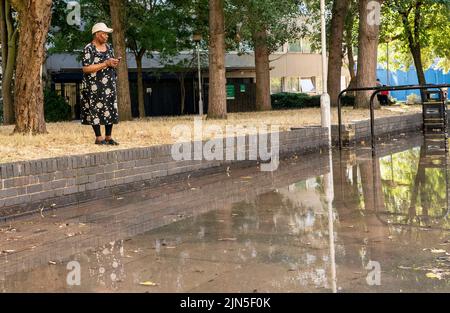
[{"x": 353, "y": 224}]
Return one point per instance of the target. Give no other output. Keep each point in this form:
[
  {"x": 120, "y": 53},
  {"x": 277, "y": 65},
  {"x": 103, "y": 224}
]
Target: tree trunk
[
  {"x": 140, "y": 84},
  {"x": 262, "y": 66},
  {"x": 9, "y": 47},
  {"x": 418, "y": 181},
  {"x": 123, "y": 87},
  {"x": 4, "y": 40},
  {"x": 417, "y": 56},
  {"x": 183, "y": 93},
  {"x": 367, "y": 180},
  {"x": 374, "y": 205},
  {"x": 349, "y": 44},
  {"x": 414, "y": 44},
  {"x": 7, "y": 82},
  {"x": 367, "y": 54},
  {"x": 335, "y": 53},
  {"x": 34, "y": 21},
  {"x": 217, "y": 107},
  {"x": 351, "y": 66}
]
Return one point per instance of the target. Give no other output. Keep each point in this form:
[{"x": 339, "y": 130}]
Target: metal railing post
[
  {"x": 377, "y": 90},
  {"x": 372, "y": 119}
]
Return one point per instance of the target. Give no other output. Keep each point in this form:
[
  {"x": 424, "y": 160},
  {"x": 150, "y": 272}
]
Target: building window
[
  {"x": 70, "y": 95},
  {"x": 302, "y": 45},
  {"x": 295, "y": 46},
  {"x": 283, "y": 49},
  {"x": 306, "y": 46},
  {"x": 275, "y": 85},
  {"x": 292, "y": 84},
  {"x": 58, "y": 88},
  {"x": 308, "y": 85},
  {"x": 344, "y": 83}
]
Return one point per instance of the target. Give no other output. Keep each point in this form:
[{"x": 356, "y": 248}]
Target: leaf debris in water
[
  {"x": 148, "y": 283},
  {"x": 434, "y": 276},
  {"x": 227, "y": 239},
  {"x": 404, "y": 267}
]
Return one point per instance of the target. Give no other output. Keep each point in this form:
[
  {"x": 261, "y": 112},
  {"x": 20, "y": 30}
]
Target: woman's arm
[{"x": 93, "y": 68}]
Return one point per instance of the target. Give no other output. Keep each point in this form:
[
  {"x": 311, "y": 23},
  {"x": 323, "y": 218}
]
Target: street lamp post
[
  {"x": 197, "y": 38},
  {"x": 325, "y": 110},
  {"x": 325, "y": 98}
]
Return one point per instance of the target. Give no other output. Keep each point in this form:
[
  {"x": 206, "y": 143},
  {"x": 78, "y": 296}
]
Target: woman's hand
[
  {"x": 112, "y": 62},
  {"x": 93, "y": 68}
]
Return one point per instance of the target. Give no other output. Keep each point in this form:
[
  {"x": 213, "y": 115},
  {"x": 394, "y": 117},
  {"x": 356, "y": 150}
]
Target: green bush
[
  {"x": 286, "y": 100},
  {"x": 348, "y": 101},
  {"x": 1, "y": 113},
  {"x": 56, "y": 109}
]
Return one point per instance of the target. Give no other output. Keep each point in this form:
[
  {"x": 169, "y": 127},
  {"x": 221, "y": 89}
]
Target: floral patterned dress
[{"x": 98, "y": 94}]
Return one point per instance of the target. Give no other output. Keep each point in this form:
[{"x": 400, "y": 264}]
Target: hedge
[
  {"x": 56, "y": 109},
  {"x": 286, "y": 100}
]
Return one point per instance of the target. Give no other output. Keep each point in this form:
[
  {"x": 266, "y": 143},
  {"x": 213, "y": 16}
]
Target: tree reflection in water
[{"x": 406, "y": 188}]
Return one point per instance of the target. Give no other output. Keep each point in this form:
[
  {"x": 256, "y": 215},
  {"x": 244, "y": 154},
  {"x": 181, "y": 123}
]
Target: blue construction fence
[{"x": 399, "y": 77}]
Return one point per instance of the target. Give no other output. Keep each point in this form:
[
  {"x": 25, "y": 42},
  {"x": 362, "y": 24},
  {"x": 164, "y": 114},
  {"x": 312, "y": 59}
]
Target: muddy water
[{"x": 243, "y": 230}]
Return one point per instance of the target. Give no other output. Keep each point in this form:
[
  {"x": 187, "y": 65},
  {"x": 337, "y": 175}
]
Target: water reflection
[
  {"x": 313, "y": 225},
  {"x": 408, "y": 188},
  {"x": 418, "y": 198}
]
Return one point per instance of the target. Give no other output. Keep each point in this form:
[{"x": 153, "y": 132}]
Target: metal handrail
[{"x": 377, "y": 90}]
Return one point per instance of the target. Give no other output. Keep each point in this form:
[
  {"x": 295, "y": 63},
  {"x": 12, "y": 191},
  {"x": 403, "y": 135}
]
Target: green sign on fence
[{"x": 231, "y": 93}]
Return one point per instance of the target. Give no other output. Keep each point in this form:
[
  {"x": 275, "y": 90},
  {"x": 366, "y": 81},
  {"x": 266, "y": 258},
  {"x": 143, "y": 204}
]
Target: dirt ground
[{"x": 71, "y": 138}]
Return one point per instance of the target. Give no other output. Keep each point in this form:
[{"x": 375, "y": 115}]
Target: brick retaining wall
[
  {"x": 360, "y": 130},
  {"x": 28, "y": 186}
]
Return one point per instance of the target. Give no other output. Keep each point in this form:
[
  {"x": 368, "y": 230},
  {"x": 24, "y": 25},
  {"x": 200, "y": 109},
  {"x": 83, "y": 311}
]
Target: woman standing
[{"x": 98, "y": 96}]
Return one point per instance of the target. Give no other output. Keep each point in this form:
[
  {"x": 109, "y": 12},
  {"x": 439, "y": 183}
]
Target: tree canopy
[{"x": 426, "y": 23}]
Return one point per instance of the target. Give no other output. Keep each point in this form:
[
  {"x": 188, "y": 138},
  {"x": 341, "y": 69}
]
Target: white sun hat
[{"x": 101, "y": 27}]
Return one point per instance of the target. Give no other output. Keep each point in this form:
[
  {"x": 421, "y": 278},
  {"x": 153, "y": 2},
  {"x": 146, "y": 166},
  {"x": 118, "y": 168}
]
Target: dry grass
[{"x": 71, "y": 138}]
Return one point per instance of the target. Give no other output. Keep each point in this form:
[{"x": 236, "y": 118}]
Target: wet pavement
[{"x": 242, "y": 230}]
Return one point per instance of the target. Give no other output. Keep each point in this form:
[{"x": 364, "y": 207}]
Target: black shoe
[
  {"x": 102, "y": 142},
  {"x": 112, "y": 142}
]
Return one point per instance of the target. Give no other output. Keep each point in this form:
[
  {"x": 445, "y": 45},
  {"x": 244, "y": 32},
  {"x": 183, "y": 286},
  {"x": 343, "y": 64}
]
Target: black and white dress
[{"x": 98, "y": 94}]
